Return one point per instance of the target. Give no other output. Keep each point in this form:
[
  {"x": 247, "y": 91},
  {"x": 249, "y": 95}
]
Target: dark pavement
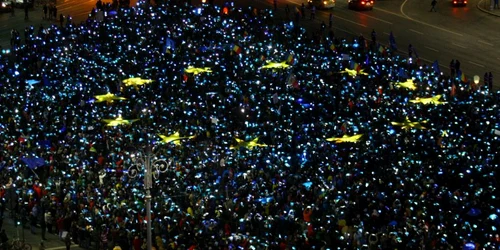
[
  {"x": 16, "y": 21},
  {"x": 52, "y": 243}
]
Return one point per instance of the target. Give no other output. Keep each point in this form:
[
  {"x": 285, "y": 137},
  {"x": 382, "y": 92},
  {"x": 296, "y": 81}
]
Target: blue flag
[
  {"x": 402, "y": 73},
  {"x": 435, "y": 67},
  {"x": 392, "y": 42},
  {"x": 45, "y": 143},
  {"x": 169, "y": 43},
  {"x": 33, "y": 162}
]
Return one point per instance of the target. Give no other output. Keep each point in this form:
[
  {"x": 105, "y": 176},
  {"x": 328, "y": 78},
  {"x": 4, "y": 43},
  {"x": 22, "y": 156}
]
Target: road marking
[
  {"x": 477, "y": 64},
  {"x": 483, "y": 42},
  {"x": 347, "y": 20},
  {"x": 458, "y": 45},
  {"x": 418, "y": 32},
  {"x": 378, "y": 19},
  {"x": 417, "y": 21},
  {"x": 61, "y": 247},
  {"x": 433, "y": 49},
  {"x": 401, "y": 9}
]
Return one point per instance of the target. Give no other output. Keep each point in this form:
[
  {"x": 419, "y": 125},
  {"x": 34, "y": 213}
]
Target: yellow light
[
  {"x": 345, "y": 138},
  {"x": 247, "y": 144}
]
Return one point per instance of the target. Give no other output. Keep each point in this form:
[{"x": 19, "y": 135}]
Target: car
[
  {"x": 361, "y": 4},
  {"x": 459, "y": 2},
  {"x": 322, "y": 4},
  {"x": 5, "y": 7}
]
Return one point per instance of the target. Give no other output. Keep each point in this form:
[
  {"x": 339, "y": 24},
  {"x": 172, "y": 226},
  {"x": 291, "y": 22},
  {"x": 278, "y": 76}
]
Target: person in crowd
[
  {"x": 26, "y": 11},
  {"x": 45, "y": 11},
  {"x": 433, "y": 6}
]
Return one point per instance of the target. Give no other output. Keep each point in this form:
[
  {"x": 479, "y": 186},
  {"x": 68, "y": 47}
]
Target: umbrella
[{"x": 474, "y": 212}]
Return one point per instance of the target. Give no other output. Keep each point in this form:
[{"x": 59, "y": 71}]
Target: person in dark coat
[
  {"x": 490, "y": 81},
  {"x": 26, "y": 10},
  {"x": 67, "y": 241},
  {"x": 45, "y": 10}
]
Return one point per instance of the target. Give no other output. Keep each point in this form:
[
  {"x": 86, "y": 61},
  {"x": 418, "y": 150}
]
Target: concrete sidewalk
[
  {"x": 15, "y": 232},
  {"x": 484, "y": 6}
]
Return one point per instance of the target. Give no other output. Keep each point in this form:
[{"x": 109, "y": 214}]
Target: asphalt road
[
  {"x": 77, "y": 9},
  {"x": 52, "y": 243},
  {"x": 464, "y": 33}
]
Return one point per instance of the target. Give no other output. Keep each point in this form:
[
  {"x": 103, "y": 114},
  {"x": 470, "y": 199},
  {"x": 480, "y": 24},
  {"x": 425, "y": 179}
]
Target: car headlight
[
  {"x": 324, "y": 2},
  {"x": 4, "y": 5}
]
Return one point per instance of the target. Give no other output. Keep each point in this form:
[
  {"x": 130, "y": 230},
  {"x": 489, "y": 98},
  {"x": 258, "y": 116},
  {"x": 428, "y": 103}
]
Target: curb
[{"x": 478, "y": 5}]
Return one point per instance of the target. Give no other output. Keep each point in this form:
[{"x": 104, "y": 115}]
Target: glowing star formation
[
  {"x": 409, "y": 84},
  {"x": 407, "y": 124},
  {"x": 136, "y": 81},
  {"x": 275, "y": 65},
  {"x": 175, "y": 138},
  {"x": 108, "y": 98},
  {"x": 353, "y": 72},
  {"x": 118, "y": 121},
  {"x": 247, "y": 144},
  {"x": 431, "y": 100},
  {"x": 345, "y": 138},
  {"x": 196, "y": 71}
]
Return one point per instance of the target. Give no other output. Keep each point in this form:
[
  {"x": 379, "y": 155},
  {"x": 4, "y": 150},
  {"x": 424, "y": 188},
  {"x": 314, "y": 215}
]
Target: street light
[{"x": 152, "y": 169}]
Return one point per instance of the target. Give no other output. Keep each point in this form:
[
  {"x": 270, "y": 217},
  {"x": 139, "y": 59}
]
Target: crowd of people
[{"x": 65, "y": 171}]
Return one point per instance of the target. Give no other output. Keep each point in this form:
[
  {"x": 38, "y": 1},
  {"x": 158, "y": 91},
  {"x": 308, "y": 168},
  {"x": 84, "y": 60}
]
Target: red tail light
[
  {"x": 465, "y": 2},
  {"x": 454, "y": 1},
  {"x": 363, "y": 2}
]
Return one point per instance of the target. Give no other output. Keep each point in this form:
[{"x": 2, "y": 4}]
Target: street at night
[{"x": 250, "y": 125}]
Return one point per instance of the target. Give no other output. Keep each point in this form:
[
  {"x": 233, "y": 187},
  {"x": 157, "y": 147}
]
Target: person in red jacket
[
  {"x": 307, "y": 214},
  {"x": 60, "y": 226},
  {"x": 137, "y": 243}
]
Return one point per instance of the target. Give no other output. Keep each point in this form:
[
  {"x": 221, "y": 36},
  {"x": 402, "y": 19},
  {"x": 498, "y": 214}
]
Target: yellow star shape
[
  {"x": 196, "y": 71},
  {"x": 345, "y": 138},
  {"x": 353, "y": 72},
  {"x": 430, "y": 100},
  {"x": 175, "y": 138},
  {"x": 444, "y": 133},
  {"x": 407, "y": 124},
  {"x": 118, "y": 121},
  {"x": 275, "y": 65},
  {"x": 247, "y": 144},
  {"x": 109, "y": 98},
  {"x": 136, "y": 81},
  {"x": 408, "y": 84}
]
